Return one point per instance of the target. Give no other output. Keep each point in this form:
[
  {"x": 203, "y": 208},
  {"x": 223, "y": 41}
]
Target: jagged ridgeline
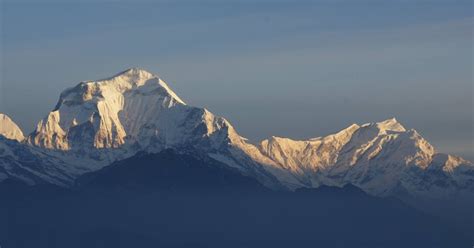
[{"x": 97, "y": 123}]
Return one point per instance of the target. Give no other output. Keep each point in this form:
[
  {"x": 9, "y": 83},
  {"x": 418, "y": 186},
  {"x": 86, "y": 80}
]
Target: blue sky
[{"x": 297, "y": 69}]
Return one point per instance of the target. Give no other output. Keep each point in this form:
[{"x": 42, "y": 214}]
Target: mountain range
[{"x": 96, "y": 124}]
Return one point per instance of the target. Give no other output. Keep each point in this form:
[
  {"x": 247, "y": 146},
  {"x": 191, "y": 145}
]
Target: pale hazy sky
[{"x": 297, "y": 69}]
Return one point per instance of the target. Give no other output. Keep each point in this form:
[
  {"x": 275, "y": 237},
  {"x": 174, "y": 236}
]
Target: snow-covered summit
[
  {"x": 104, "y": 113},
  {"x": 378, "y": 157},
  {"x": 136, "y": 77},
  {"x": 114, "y": 118},
  {"x": 9, "y": 129}
]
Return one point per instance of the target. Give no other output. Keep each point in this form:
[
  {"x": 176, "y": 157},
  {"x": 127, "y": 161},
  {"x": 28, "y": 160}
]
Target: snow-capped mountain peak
[
  {"x": 138, "y": 78},
  {"x": 114, "y": 118},
  {"x": 104, "y": 113},
  {"x": 9, "y": 129},
  {"x": 356, "y": 155}
]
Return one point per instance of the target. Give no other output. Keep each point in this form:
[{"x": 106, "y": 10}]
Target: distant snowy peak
[
  {"x": 104, "y": 113},
  {"x": 135, "y": 78},
  {"x": 324, "y": 151},
  {"x": 9, "y": 129},
  {"x": 381, "y": 158},
  {"x": 113, "y": 118},
  {"x": 354, "y": 155},
  {"x": 98, "y": 122}
]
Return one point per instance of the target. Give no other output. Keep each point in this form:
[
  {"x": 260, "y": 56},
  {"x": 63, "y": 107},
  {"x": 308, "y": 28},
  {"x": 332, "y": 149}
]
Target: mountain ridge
[{"x": 98, "y": 122}]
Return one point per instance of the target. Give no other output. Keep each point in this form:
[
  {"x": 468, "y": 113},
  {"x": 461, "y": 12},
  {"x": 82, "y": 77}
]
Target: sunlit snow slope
[{"x": 10, "y": 129}]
